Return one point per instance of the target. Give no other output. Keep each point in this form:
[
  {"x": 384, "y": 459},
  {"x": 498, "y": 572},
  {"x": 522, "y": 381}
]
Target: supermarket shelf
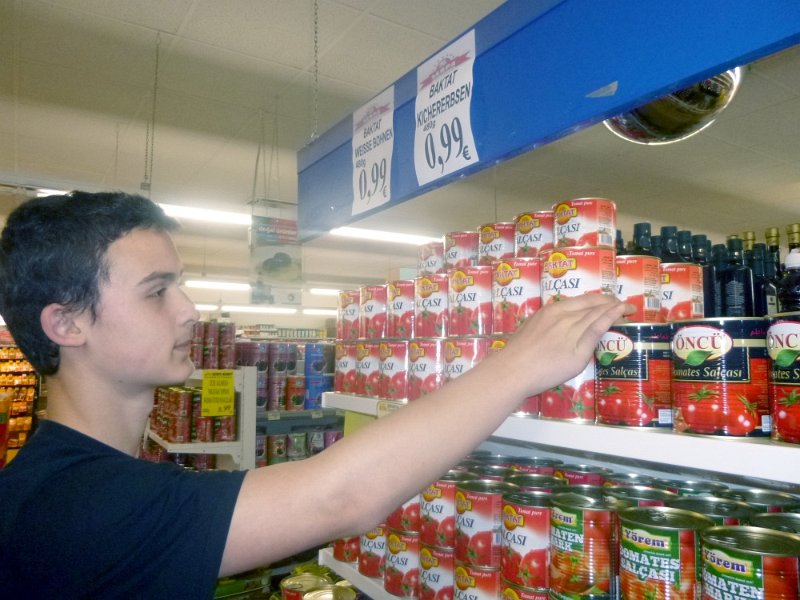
[
  {"x": 364, "y": 405},
  {"x": 749, "y": 458},
  {"x": 370, "y": 586},
  {"x": 232, "y": 449}
]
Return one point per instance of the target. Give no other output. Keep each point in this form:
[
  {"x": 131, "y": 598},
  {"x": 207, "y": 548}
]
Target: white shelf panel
[
  {"x": 371, "y": 586},
  {"x": 233, "y": 449},
  {"x": 756, "y": 458},
  {"x": 364, "y": 405}
]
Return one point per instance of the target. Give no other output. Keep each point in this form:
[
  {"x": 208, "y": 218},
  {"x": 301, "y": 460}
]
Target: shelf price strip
[
  {"x": 219, "y": 395},
  {"x": 373, "y": 147},
  {"x": 443, "y": 141}
]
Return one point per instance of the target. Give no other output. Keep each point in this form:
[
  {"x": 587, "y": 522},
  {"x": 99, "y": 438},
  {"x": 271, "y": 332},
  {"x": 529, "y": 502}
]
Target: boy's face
[{"x": 142, "y": 335}]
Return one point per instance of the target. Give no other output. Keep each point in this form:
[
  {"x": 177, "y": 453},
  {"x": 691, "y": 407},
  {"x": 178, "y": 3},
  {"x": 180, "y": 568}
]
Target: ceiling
[{"x": 78, "y": 89}]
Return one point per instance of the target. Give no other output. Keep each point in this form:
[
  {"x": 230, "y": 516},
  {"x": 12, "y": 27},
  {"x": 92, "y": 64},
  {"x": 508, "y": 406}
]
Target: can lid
[{"x": 757, "y": 540}]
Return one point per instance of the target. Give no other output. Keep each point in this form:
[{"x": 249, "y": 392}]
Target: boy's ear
[{"x": 61, "y": 325}]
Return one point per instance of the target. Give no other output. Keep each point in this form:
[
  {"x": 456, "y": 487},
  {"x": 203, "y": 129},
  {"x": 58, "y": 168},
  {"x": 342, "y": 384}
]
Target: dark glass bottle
[
  {"x": 748, "y": 239},
  {"x": 655, "y": 245},
  {"x": 765, "y": 292},
  {"x": 789, "y": 285},
  {"x": 700, "y": 248},
  {"x": 736, "y": 283},
  {"x": 669, "y": 245},
  {"x": 685, "y": 245},
  {"x": 642, "y": 239},
  {"x": 772, "y": 235},
  {"x": 719, "y": 258},
  {"x": 619, "y": 243}
]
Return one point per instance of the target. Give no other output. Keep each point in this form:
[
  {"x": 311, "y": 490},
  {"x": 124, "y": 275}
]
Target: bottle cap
[
  {"x": 772, "y": 234},
  {"x": 793, "y": 259},
  {"x": 669, "y": 231}
]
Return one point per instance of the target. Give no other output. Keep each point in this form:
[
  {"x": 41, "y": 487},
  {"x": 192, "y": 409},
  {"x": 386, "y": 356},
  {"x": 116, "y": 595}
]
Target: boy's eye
[{"x": 159, "y": 292}]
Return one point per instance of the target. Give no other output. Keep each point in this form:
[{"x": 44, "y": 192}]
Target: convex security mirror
[{"x": 678, "y": 115}]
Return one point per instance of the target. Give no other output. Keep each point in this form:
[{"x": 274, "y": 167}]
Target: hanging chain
[
  {"x": 273, "y": 155},
  {"x": 315, "y": 132},
  {"x": 150, "y": 135}
]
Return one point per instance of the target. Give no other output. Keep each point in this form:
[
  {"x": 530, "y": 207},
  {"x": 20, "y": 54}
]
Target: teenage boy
[{"x": 90, "y": 287}]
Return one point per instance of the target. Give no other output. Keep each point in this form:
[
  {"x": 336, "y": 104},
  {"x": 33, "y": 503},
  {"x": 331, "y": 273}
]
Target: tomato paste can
[
  {"x": 526, "y": 539},
  {"x": 585, "y": 222},
  {"x": 461, "y": 249},
  {"x": 533, "y": 233},
  {"x": 479, "y": 521},
  {"x": 295, "y": 392},
  {"x": 372, "y": 312},
  {"x": 405, "y": 517},
  {"x": 344, "y": 379},
  {"x": 573, "y": 400},
  {"x": 332, "y": 591},
  {"x": 496, "y": 241},
  {"x": 400, "y": 308},
  {"x": 368, "y": 368},
  {"x": 569, "y": 272},
  {"x": 489, "y": 471},
  {"x": 751, "y": 561},
  {"x": 462, "y": 354},
  {"x": 225, "y": 428},
  {"x": 516, "y": 292},
  {"x": 681, "y": 292},
  {"x": 763, "y": 500},
  {"x": 535, "y": 482},
  {"x": 509, "y": 591},
  {"x": 783, "y": 347},
  {"x": 641, "y": 495},
  {"x": 430, "y": 258},
  {"x": 620, "y": 479},
  {"x": 372, "y": 552},
  {"x": 634, "y": 372},
  {"x": 436, "y": 572},
  {"x": 639, "y": 284},
  {"x": 393, "y": 382},
  {"x": 437, "y": 510},
  {"x": 722, "y": 511},
  {"x": 584, "y": 546},
  {"x": 578, "y": 474},
  {"x": 720, "y": 377},
  {"x": 689, "y": 487},
  {"x": 294, "y": 587},
  {"x": 789, "y": 522},
  {"x": 401, "y": 573},
  {"x": 346, "y": 549},
  {"x": 529, "y": 407},
  {"x": 431, "y": 305},
  {"x": 471, "y": 582},
  {"x": 658, "y": 549},
  {"x": 536, "y": 464},
  {"x": 347, "y": 309},
  {"x": 470, "y": 300},
  {"x": 425, "y": 366}
]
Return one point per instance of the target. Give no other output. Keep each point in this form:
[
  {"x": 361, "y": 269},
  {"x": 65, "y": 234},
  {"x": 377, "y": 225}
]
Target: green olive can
[
  {"x": 659, "y": 551},
  {"x": 750, "y": 562}
]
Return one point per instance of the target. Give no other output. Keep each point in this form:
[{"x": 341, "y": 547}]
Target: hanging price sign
[
  {"x": 373, "y": 145},
  {"x": 218, "y": 397},
  {"x": 443, "y": 141}
]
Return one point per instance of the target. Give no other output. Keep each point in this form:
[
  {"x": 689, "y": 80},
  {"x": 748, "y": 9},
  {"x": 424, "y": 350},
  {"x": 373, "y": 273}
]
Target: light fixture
[
  {"x": 320, "y": 312},
  {"x": 204, "y": 214},
  {"x": 264, "y": 310},
  {"x": 206, "y": 307},
  {"x": 324, "y": 291},
  {"x": 42, "y": 192},
  {"x": 205, "y": 284},
  {"x": 383, "y": 236}
]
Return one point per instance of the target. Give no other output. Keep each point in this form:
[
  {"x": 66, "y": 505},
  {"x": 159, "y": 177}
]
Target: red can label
[
  {"x": 572, "y": 400},
  {"x": 295, "y": 392},
  {"x": 479, "y": 522},
  {"x": 401, "y": 574},
  {"x": 344, "y": 379},
  {"x": 347, "y": 323},
  {"x": 783, "y": 346},
  {"x": 346, "y": 549},
  {"x": 436, "y": 573},
  {"x": 462, "y": 354},
  {"x": 372, "y": 312},
  {"x": 573, "y": 272},
  {"x": 461, "y": 249},
  {"x": 582, "y": 474},
  {"x": 496, "y": 241},
  {"x": 430, "y": 258},
  {"x": 509, "y": 591},
  {"x": 393, "y": 383},
  {"x": 475, "y": 583},
  {"x": 516, "y": 292},
  {"x": 526, "y": 541},
  {"x": 368, "y": 368},
  {"x": 400, "y": 308},
  {"x": 681, "y": 292},
  {"x": 431, "y": 305},
  {"x": 437, "y": 507},
  {"x": 405, "y": 517},
  {"x": 585, "y": 222},
  {"x": 639, "y": 284},
  {"x": 470, "y": 301},
  {"x": 372, "y": 552},
  {"x": 533, "y": 233},
  {"x": 425, "y": 366}
]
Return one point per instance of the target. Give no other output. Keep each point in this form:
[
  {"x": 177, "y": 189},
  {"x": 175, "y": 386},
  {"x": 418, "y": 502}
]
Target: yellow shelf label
[{"x": 219, "y": 394}]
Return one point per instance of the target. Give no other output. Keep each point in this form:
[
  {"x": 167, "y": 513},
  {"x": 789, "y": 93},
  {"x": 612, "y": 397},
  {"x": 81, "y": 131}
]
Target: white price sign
[
  {"x": 443, "y": 141},
  {"x": 373, "y": 145}
]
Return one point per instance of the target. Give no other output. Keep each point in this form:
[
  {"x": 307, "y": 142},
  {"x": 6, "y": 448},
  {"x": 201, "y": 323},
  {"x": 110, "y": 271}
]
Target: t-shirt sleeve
[{"x": 133, "y": 529}]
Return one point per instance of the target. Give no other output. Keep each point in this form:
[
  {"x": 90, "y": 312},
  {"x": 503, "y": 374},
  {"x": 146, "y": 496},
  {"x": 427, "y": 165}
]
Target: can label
[
  {"x": 509, "y": 591},
  {"x": 461, "y": 249},
  {"x": 783, "y": 347},
  {"x": 634, "y": 369},
  {"x": 431, "y": 305},
  {"x": 639, "y": 284},
  {"x": 393, "y": 383},
  {"x": 400, "y": 308},
  {"x": 719, "y": 377},
  {"x": 372, "y": 552},
  {"x": 470, "y": 301},
  {"x": 295, "y": 587},
  {"x": 516, "y": 292},
  {"x": 372, "y": 312},
  {"x": 681, "y": 292},
  {"x": 475, "y": 583},
  {"x": 276, "y": 448},
  {"x": 582, "y": 474},
  {"x": 585, "y": 222},
  {"x": 347, "y": 322},
  {"x": 430, "y": 258},
  {"x": 437, "y": 509},
  {"x": 405, "y": 517},
  {"x": 368, "y": 368},
  {"x": 570, "y": 272},
  {"x": 297, "y": 445},
  {"x": 496, "y": 242},
  {"x": 436, "y": 572},
  {"x": 526, "y": 540},
  {"x": 295, "y": 392},
  {"x": 479, "y": 522},
  {"x": 346, "y": 549},
  {"x": 425, "y": 366},
  {"x": 533, "y": 233},
  {"x": 462, "y": 354},
  {"x": 401, "y": 574},
  {"x": 346, "y": 366},
  {"x": 573, "y": 400}
]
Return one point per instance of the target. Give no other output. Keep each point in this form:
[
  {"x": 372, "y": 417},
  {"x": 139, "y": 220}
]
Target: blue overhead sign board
[{"x": 527, "y": 74}]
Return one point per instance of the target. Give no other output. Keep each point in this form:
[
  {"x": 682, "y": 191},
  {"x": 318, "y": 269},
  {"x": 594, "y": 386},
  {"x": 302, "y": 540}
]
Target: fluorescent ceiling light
[
  {"x": 206, "y": 307},
  {"x": 204, "y": 284},
  {"x": 320, "y": 312},
  {"x": 324, "y": 291},
  {"x": 203, "y": 214},
  {"x": 265, "y": 310},
  {"x": 383, "y": 236},
  {"x": 42, "y": 192}
]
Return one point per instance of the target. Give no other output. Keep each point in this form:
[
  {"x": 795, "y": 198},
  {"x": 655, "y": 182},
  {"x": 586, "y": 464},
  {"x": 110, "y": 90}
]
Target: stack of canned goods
[
  {"x": 298, "y": 444},
  {"x": 213, "y": 345},
  {"x": 177, "y": 418}
]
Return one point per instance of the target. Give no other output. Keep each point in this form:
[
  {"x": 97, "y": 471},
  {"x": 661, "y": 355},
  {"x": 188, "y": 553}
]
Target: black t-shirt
[{"x": 79, "y": 519}]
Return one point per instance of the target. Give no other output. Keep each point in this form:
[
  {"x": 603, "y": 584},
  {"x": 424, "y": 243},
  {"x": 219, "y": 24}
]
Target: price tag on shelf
[
  {"x": 273, "y": 415},
  {"x": 443, "y": 141},
  {"x": 373, "y": 147},
  {"x": 385, "y": 407},
  {"x": 317, "y": 414},
  {"x": 218, "y": 397}
]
